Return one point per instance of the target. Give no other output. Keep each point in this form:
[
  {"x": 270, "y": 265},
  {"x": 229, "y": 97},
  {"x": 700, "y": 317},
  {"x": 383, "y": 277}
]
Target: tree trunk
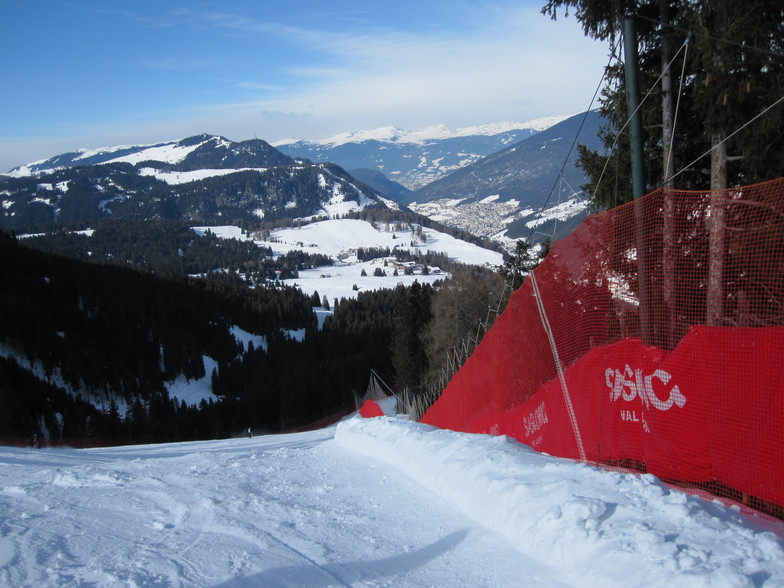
[
  {"x": 714, "y": 307},
  {"x": 666, "y": 87},
  {"x": 717, "y": 219},
  {"x": 667, "y": 338}
]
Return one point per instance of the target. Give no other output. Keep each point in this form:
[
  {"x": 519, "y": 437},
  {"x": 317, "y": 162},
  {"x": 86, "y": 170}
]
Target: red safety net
[{"x": 651, "y": 338}]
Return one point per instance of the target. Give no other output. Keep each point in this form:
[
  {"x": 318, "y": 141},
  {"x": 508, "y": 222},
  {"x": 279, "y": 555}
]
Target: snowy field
[
  {"x": 378, "y": 502},
  {"x": 339, "y": 239}
]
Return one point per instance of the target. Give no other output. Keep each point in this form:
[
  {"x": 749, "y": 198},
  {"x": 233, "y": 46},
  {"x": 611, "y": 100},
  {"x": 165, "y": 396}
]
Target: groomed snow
[{"x": 379, "y": 502}]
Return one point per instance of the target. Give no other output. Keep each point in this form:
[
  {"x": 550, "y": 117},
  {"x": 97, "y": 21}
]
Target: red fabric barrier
[
  {"x": 667, "y": 411},
  {"x": 710, "y": 410},
  {"x": 370, "y": 409}
]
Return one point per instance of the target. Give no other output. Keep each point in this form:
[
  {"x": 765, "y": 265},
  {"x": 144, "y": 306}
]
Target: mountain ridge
[
  {"x": 494, "y": 185},
  {"x": 186, "y": 153},
  {"x": 428, "y": 133},
  {"x": 201, "y": 179},
  {"x": 414, "y": 159}
]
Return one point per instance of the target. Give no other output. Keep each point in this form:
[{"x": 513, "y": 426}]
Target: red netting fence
[{"x": 650, "y": 338}]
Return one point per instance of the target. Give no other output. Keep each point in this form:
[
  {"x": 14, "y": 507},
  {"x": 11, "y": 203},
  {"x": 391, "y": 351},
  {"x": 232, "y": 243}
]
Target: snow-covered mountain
[
  {"x": 197, "y": 152},
  {"x": 415, "y": 158},
  {"x": 496, "y": 181},
  {"x": 524, "y": 187},
  {"x": 201, "y": 179}
]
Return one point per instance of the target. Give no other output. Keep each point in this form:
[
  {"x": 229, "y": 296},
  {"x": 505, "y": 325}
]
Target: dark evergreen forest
[
  {"x": 102, "y": 339},
  {"x": 171, "y": 247}
]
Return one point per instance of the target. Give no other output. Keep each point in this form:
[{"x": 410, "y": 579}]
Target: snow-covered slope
[
  {"x": 526, "y": 185},
  {"x": 195, "y": 152},
  {"x": 387, "y": 502},
  {"x": 340, "y": 239},
  {"x": 169, "y": 153}
]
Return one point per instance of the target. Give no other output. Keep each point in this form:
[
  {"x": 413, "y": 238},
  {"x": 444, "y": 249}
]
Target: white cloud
[
  {"x": 509, "y": 65},
  {"x": 415, "y": 81},
  {"x": 525, "y": 67}
]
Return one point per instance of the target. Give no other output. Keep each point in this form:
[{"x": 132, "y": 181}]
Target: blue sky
[{"x": 83, "y": 73}]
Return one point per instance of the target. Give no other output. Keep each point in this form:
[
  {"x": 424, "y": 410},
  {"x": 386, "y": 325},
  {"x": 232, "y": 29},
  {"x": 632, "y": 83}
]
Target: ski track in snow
[{"x": 378, "y": 502}]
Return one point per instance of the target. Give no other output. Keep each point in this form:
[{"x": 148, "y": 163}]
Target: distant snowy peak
[
  {"x": 170, "y": 153},
  {"x": 430, "y": 133},
  {"x": 387, "y": 134},
  {"x": 197, "y": 152}
]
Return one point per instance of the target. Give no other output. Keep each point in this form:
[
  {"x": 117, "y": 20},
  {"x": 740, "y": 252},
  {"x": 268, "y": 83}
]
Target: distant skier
[
  {"x": 34, "y": 442},
  {"x": 250, "y": 434}
]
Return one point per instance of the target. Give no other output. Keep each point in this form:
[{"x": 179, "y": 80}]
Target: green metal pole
[
  {"x": 632, "y": 104},
  {"x": 638, "y": 179}
]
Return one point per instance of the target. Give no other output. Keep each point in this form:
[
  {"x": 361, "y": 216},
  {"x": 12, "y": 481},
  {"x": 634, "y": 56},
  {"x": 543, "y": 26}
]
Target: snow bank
[{"x": 600, "y": 528}]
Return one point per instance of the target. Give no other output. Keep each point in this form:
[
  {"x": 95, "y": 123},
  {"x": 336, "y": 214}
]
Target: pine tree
[
  {"x": 412, "y": 314},
  {"x": 734, "y": 71},
  {"x": 461, "y": 309}
]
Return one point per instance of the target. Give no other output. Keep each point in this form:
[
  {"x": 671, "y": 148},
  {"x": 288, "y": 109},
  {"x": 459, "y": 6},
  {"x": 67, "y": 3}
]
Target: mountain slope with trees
[
  {"x": 200, "y": 180},
  {"x": 89, "y": 351},
  {"x": 503, "y": 194},
  {"x": 101, "y": 344}
]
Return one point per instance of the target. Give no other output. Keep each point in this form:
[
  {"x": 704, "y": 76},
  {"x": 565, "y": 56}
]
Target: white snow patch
[
  {"x": 321, "y": 315},
  {"x": 336, "y": 236},
  {"x": 175, "y": 178},
  {"x": 339, "y": 281},
  {"x": 192, "y": 392},
  {"x": 295, "y": 334},
  {"x": 244, "y": 338},
  {"x": 561, "y": 212},
  {"x": 340, "y": 238},
  {"x": 168, "y": 153},
  {"x": 222, "y": 232}
]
